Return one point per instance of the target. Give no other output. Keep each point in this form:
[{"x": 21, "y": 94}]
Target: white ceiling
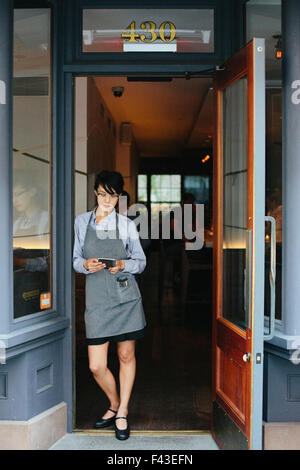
[{"x": 166, "y": 117}]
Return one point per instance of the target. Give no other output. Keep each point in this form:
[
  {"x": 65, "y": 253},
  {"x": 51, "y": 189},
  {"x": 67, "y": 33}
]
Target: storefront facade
[{"x": 37, "y": 339}]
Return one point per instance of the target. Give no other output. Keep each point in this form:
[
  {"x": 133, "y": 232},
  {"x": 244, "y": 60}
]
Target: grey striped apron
[{"x": 113, "y": 301}]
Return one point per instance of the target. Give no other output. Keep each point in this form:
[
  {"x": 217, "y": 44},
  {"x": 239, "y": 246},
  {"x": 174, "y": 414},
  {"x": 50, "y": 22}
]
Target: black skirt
[{"x": 122, "y": 337}]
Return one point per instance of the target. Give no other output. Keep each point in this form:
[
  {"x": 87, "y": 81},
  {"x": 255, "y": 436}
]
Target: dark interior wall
[
  {"x": 101, "y": 132},
  {"x": 190, "y": 164},
  {"x": 134, "y": 170}
]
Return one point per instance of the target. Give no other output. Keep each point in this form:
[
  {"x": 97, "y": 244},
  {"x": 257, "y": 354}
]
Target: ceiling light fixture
[{"x": 205, "y": 158}]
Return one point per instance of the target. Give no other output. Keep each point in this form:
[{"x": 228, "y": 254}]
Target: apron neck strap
[
  {"x": 90, "y": 219},
  {"x": 117, "y": 225}
]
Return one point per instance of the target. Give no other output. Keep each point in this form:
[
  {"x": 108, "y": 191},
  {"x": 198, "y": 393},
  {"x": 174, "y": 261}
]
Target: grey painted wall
[
  {"x": 281, "y": 386},
  {"x": 291, "y": 165},
  {"x": 6, "y": 276},
  {"x": 32, "y": 382}
]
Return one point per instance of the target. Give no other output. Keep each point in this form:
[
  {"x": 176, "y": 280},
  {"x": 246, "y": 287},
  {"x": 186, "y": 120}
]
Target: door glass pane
[
  {"x": 32, "y": 161},
  {"x": 235, "y": 202}
]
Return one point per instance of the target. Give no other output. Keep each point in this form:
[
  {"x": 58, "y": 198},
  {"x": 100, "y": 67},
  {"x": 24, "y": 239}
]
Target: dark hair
[{"x": 110, "y": 180}]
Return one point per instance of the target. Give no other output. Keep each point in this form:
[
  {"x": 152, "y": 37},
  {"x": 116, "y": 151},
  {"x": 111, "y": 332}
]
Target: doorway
[{"x": 158, "y": 134}]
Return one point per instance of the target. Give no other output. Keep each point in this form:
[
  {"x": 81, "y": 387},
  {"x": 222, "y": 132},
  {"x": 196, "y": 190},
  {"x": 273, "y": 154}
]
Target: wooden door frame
[{"x": 235, "y": 68}]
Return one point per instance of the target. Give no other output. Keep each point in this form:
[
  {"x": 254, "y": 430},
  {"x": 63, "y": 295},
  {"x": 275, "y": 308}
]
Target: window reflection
[
  {"x": 274, "y": 193},
  {"x": 263, "y": 20},
  {"x": 235, "y": 176},
  {"x": 31, "y": 162}
]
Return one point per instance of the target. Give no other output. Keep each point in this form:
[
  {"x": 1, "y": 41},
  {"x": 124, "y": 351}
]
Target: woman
[{"x": 114, "y": 310}]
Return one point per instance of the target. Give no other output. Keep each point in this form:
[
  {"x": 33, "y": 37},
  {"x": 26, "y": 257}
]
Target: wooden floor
[{"x": 172, "y": 386}]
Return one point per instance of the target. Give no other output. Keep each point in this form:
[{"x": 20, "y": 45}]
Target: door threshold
[{"x": 142, "y": 432}]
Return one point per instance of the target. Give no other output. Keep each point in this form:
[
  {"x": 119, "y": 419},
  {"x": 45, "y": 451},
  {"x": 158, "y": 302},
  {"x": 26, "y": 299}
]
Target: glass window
[
  {"x": 165, "y": 191},
  {"x": 264, "y": 20},
  {"x": 274, "y": 192},
  {"x": 198, "y": 186},
  {"x": 32, "y": 162},
  {"x": 142, "y": 188},
  {"x": 80, "y": 148},
  {"x": 235, "y": 202},
  {"x": 148, "y": 30}
]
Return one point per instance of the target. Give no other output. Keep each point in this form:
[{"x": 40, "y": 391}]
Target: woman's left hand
[{"x": 119, "y": 265}]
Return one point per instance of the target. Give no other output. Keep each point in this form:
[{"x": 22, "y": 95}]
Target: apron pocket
[{"x": 127, "y": 289}]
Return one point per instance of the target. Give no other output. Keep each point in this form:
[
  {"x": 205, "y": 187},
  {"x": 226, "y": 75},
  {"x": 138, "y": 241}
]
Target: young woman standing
[{"x": 114, "y": 310}]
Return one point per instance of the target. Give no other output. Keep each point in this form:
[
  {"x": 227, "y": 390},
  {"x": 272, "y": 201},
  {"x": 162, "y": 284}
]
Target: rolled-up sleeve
[
  {"x": 137, "y": 262},
  {"x": 78, "y": 258}
]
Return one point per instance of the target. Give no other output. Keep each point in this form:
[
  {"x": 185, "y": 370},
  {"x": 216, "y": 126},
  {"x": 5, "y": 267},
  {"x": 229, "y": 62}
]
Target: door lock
[{"x": 246, "y": 357}]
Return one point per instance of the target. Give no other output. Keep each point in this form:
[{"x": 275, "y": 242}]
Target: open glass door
[{"x": 239, "y": 205}]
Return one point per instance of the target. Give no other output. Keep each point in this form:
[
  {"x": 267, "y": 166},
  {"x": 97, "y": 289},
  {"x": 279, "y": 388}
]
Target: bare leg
[
  {"x": 103, "y": 376},
  {"x": 127, "y": 360}
]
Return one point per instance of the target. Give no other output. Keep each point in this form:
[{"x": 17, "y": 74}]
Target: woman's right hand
[{"x": 93, "y": 265}]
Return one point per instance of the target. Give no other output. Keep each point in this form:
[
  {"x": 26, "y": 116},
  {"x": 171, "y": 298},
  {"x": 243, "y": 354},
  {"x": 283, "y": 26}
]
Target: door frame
[
  {"x": 69, "y": 132},
  {"x": 68, "y": 109},
  {"x": 259, "y": 172},
  {"x": 256, "y": 111}
]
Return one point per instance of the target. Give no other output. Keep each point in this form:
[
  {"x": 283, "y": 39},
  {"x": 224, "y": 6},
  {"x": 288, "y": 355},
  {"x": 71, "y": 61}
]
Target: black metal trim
[{"x": 226, "y": 431}]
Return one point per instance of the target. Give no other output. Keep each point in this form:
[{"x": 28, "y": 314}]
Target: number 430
[{"x": 150, "y": 28}]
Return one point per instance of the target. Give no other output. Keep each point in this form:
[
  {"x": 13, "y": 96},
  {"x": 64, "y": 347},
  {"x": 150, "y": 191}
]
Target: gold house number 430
[{"x": 149, "y": 27}]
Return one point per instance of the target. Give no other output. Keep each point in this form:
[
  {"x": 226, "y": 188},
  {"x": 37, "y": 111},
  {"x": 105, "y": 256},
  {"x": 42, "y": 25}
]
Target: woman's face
[{"x": 106, "y": 201}]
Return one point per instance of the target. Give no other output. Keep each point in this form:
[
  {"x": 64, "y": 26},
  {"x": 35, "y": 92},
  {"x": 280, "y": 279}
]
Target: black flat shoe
[
  {"x": 122, "y": 434},
  {"x": 104, "y": 422}
]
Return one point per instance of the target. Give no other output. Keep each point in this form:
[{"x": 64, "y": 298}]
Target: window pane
[
  {"x": 142, "y": 194},
  {"x": 32, "y": 161},
  {"x": 199, "y": 187},
  {"x": 142, "y": 187},
  {"x": 264, "y": 20},
  {"x": 165, "y": 188},
  {"x": 142, "y": 181},
  {"x": 148, "y": 30},
  {"x": 274, "y": 193}
]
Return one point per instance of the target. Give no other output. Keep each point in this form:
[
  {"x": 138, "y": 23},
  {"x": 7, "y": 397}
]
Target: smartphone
[{"x": 110, "y": 262}]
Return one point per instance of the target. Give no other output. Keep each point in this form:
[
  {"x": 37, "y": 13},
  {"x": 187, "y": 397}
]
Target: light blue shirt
[{"x": 128, "y": 234}]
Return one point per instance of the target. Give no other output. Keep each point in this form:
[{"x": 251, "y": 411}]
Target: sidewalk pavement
[{"x": 94, "y": 441}]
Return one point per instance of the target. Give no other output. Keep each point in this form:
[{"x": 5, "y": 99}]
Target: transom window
[{"x": 148, "y": 30}]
